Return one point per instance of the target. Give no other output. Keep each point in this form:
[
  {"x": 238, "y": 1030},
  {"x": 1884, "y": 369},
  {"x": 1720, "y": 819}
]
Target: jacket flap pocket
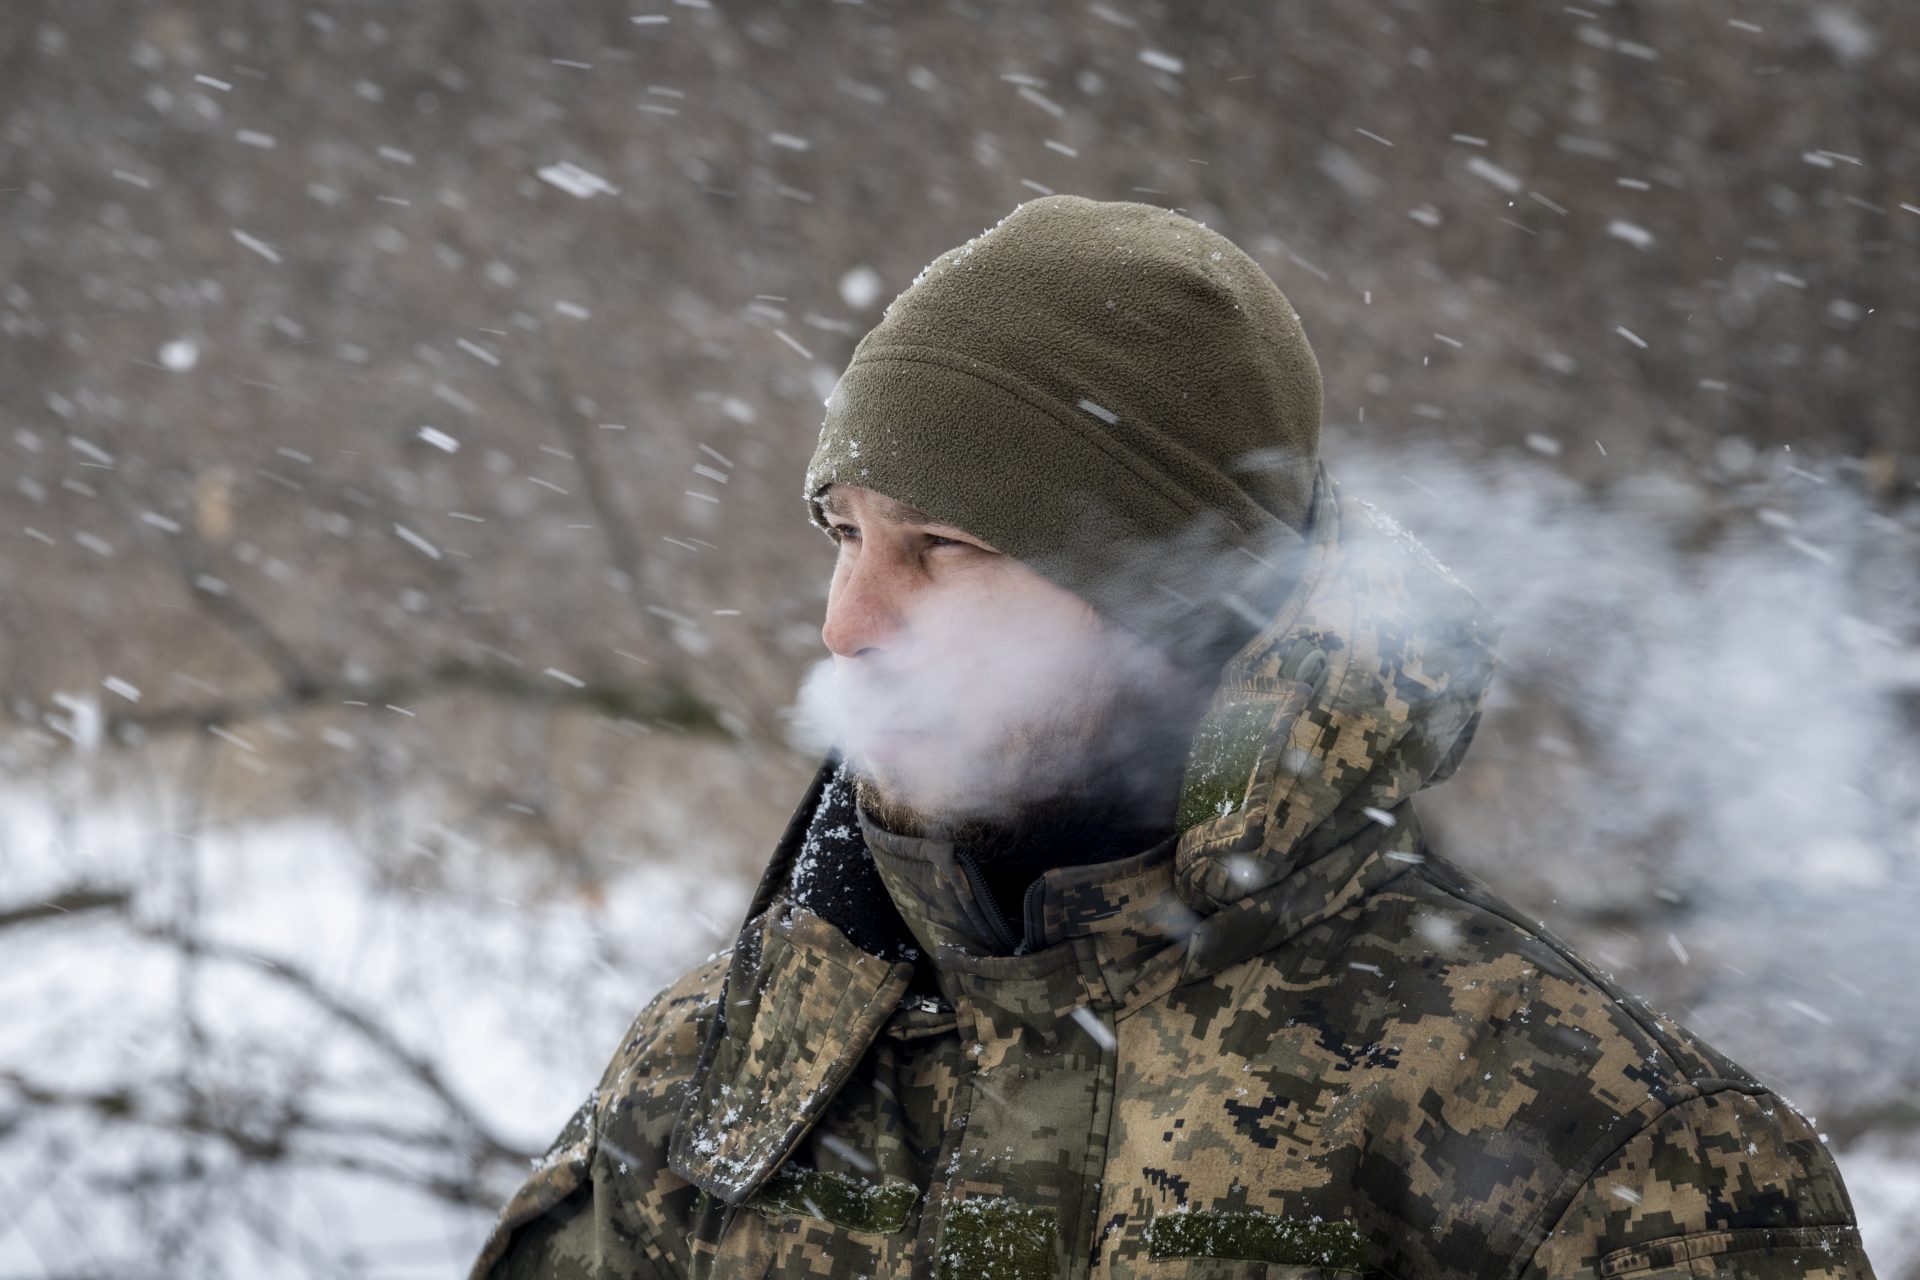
[{"x": 799, "y": 1011}]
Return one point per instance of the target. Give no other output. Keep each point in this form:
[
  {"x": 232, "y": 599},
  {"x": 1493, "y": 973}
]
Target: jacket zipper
[
  {"x": 989, "y": 909},
  {"x": 1030, "y": 916}
]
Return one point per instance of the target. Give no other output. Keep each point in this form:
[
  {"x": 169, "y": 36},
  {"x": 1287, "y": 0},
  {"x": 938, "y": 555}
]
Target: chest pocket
[
  {"x": 835, "y": 1226},
  {"x": 1225, "y": 1245}
]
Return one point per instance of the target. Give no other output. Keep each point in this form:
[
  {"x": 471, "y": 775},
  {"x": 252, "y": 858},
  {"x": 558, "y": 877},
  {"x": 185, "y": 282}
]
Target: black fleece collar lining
[{"x": 834, "y": 877}]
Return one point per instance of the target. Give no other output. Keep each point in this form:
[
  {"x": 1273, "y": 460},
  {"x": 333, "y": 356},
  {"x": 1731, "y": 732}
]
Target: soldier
[{"x": 1106, "y": 941}]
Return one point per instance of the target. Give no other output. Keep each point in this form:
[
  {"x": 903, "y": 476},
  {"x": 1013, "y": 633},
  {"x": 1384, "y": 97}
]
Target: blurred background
[{"x": 404, "y": 578}]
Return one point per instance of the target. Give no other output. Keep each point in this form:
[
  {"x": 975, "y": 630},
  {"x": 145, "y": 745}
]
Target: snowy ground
[
  {"x": 315, "y": 1146},
  {"x": 216, "y": 1117}
]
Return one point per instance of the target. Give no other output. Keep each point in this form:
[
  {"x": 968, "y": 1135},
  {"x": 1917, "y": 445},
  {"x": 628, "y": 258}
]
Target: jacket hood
[{"x": 1365, "y": 686}]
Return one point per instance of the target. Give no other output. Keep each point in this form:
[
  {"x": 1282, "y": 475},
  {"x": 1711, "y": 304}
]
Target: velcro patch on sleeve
[
  {"x": 853, "y": 1203},
  {"x": 991, "y": 1238},
  {"x": 1257, "y": 1237}
]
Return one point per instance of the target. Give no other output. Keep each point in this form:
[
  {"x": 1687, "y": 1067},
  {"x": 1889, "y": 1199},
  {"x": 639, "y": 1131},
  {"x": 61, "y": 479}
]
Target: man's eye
[
  {"x": 841, "y": 532},
  {"x": 935, "y": 539}
]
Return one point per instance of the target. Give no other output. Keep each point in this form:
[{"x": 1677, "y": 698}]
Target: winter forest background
[{"x": 403, "y": 572}]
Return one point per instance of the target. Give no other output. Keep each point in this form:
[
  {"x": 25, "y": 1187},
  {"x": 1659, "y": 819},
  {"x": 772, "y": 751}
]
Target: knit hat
[{"x": 1108, "y": 391}]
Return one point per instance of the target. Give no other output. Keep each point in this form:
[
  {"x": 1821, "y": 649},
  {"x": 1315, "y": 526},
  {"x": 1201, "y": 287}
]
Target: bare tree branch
[
  {"x": 556, "y": 397},
  {"x": 663, "y": 702},
  {"x": 68, "y": 902},
  {"x": 419, "y": 1068},
  {"x": 236, "y": 615},
  {"x": 125, "y": 1105}
]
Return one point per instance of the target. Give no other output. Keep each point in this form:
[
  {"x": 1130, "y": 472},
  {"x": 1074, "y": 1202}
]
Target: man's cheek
[{"x": 990, "y": 722}]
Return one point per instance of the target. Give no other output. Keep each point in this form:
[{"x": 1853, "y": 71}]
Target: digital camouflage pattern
[{"x": 1292, "y": 1041}]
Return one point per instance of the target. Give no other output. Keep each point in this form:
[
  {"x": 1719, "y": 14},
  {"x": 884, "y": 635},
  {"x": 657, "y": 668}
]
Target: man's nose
[{"x": 865, "y": 609}]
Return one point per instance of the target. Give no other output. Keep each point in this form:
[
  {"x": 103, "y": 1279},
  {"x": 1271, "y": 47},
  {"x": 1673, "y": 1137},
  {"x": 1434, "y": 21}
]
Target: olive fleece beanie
[{"x": 1108, "y": 391}]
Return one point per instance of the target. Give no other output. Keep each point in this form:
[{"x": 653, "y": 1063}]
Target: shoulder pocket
[{"x": 1788, "y": 1251}]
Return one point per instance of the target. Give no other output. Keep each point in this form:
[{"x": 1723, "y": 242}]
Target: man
[{"x": 1106, "y": 942}]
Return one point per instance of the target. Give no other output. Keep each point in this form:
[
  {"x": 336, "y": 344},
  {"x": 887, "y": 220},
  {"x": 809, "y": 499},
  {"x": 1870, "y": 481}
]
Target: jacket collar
[{"x": 951, "y": 914}]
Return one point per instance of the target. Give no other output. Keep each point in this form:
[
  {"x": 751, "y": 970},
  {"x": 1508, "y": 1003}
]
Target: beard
[
  {"x": 1114, "y": 770},
  {"x": 1025, "y": 736}
]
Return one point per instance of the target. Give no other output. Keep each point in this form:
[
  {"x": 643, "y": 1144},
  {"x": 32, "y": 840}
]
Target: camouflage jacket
[{"x": 1291, "y": 1041}]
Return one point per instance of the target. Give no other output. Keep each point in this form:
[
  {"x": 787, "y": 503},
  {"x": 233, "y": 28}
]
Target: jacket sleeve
[
  {"x": 1729, "y": 1184},
  {"x": 602, "y": 1203}
]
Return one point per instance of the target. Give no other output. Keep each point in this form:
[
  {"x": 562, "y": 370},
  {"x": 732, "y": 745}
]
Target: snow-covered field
[{"x": 307, "y": 1094}]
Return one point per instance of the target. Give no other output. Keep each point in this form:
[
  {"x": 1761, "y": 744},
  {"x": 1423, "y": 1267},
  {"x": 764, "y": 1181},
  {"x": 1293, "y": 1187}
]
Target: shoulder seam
[
  {"x": 1555, "y": 1210},
  {"x": 1633, "y": 1008}
]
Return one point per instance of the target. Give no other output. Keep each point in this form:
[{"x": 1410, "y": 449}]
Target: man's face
[{"x": 965, "y": 687}]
